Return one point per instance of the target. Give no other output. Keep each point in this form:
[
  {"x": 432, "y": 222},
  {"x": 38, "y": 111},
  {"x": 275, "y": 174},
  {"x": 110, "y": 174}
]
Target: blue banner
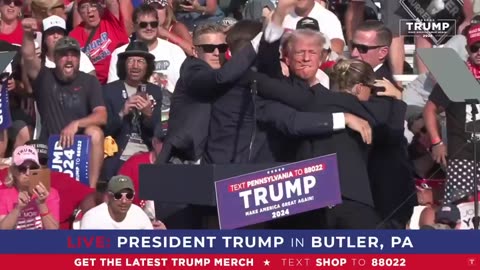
[
  {"x": 278, "y": 192},
  {"x": 240, "y": 242},
  {"x": 72, "y": 161},
  {"x": 5, "y": 117}
]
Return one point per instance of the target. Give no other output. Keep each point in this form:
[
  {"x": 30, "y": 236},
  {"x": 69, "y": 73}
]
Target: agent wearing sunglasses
[
  {"x": 117, "y": 212},
  {"x": 202, "y": 78},
  {"x": 458, "y": 156},
  {"x": 10, "y": 27},
  {"x": 371, "y": 44},
  {"x": 21, "y": 207}
]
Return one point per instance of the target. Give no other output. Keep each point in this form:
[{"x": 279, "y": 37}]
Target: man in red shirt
[
  {"x": 100, "y": 33},
  {"x": 72, "y": 193},
  {"x": 10, "y": 26}
]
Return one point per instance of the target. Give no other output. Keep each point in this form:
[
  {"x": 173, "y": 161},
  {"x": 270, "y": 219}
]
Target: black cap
[
  {"x": 137, "y": 48},
  {"x": 447, "y": 214},
  {"x": 308, "y": 23},
  {"x": 42, "y": 149}
]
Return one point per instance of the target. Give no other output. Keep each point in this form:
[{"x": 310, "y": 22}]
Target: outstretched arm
[{"x": 203, "y": 81}]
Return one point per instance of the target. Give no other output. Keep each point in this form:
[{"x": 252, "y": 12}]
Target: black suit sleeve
[
  {"x": 292, "y": 122},
  {"x": 287, "y": 91},
  {"x": 114, "y": 122},
  {"x": 202, "y": 81},
  {"x": 268, "y": 59},
  {"x": 389, "y": 114}
]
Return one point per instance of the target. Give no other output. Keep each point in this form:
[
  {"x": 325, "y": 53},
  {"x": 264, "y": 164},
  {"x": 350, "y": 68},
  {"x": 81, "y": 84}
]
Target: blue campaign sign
[
  {"x": 240, "y": 242},
  {"x": 72, "y": 161},
  {"x": 5, "y": 117},
  {"x": 277, "y": 192}
]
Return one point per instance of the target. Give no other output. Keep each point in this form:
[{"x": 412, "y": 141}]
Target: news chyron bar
[{"x": 240, "y": 249}]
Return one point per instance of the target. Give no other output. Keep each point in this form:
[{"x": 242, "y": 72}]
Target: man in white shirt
[
  {"x": 168, "y": 56},
  {"x": 117, "y": 212},
  {"x": 329, "y": 23},
  {"x": 54, "y": 28}
]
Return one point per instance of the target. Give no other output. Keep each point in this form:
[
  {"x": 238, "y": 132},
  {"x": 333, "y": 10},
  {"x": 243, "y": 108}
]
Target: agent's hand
[
  {"x": 390, "y": 89},
  {"x": 359, "y": 125}
]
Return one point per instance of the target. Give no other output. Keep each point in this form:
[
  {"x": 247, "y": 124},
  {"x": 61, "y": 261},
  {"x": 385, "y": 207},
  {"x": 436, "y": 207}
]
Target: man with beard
[
  {"x": 168, "y": 56},
  {"x": 69, "y": 101},
  {"x": 133, "y": 105}
]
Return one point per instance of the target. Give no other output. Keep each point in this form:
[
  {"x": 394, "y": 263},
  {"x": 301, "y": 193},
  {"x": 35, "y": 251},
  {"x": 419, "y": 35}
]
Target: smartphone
[
  {"x": 39, "y": 176},
  {"x": 142, "y": 91}
]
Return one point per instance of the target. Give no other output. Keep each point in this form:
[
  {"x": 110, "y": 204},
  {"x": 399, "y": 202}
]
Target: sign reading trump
[{"x": 278, "y": 192}]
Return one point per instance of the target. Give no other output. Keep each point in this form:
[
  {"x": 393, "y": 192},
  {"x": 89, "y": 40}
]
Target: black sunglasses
[
  {"x": 17, "y": 3},
  {"x": 24, "y": 169},
  {"x": 364, "y": 48},
  {"x": 157, "y": 5},
  {"x": 119, "y": 195},
  {"x": 210, "y": 48},
  {"x": 474, "y": 47},
  {"x": 153, "y": 24}
]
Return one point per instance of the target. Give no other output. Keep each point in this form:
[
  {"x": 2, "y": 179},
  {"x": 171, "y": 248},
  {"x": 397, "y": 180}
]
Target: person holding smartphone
[
  {"x": 131, "y": 105},
  {"x": 23, "y": 207}
]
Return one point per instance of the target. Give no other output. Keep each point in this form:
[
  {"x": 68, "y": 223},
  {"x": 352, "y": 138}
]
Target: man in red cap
[{"x": 460, "y": 127}]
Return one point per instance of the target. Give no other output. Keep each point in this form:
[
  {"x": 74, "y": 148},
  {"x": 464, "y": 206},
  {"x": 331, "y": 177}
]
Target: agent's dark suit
[
  {"x": 384, "y": 72},
  {"x": 357, "y": 210},
  {"x": 390, "y": 168},
  {"x": 114, "y": 95},
  {"x": 197, "y": 88},
  {"x": 240, "y": 133}
]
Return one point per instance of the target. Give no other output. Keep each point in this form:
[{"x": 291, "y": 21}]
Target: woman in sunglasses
[
  {"x": 24, "y": 205},
  {"x": 10, "y": 27}
]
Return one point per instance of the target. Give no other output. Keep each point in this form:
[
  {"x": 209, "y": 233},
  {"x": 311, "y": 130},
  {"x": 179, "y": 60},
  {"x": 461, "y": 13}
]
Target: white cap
[{"x": 54, "y": 21}]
